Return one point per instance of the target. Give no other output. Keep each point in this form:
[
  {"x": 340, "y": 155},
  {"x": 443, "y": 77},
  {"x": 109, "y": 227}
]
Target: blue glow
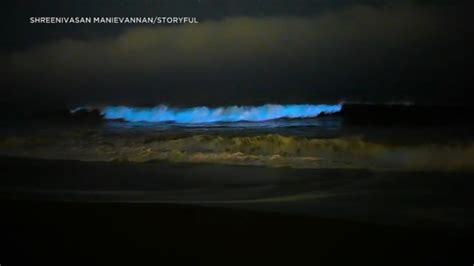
[{"x": 203, "y": 114}]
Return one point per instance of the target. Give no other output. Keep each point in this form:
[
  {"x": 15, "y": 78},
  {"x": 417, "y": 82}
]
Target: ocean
[{"x": 390, "y": 164}]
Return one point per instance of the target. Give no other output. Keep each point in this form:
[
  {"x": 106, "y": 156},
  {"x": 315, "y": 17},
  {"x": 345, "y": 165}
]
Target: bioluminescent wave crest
[{"x": 163, "y": 113}]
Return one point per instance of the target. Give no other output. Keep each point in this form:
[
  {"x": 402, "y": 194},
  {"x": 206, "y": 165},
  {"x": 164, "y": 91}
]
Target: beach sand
[{"x": 164, "y": 213}]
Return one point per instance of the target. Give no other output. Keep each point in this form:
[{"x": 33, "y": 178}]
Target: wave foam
[
  {"x": 272, "y": 150},
  {"x": 204, "y": 114}
]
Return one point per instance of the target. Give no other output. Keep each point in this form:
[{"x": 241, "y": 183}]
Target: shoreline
[
  {"x": 46, "y": 229},
  {"x": 436, "y": 200}
]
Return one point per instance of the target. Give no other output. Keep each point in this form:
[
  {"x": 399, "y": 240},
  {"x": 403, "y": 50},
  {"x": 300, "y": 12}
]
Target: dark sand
[{"x": 38, "y": 227}]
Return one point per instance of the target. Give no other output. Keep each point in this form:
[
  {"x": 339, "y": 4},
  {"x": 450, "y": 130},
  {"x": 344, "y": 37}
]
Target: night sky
[{"x": 242, "y": 52}]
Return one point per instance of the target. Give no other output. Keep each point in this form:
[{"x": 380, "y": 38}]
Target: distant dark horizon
[{"x": 241, "y": 53}]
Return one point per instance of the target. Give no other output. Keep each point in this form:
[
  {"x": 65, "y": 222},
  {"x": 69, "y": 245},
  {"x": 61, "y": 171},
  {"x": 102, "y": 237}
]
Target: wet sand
[{"x": 40, "y": 226}]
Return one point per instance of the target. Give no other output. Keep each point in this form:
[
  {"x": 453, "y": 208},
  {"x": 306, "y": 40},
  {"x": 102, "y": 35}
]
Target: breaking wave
[{"x": 163, "y": 113}]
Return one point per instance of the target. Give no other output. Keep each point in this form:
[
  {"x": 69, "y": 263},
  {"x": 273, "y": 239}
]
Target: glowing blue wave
[{"x": 203, "y": 114}]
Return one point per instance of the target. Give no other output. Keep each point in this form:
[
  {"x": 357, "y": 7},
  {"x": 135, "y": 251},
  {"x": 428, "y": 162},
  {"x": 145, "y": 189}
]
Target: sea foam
[{"x": 203, "y": 114}]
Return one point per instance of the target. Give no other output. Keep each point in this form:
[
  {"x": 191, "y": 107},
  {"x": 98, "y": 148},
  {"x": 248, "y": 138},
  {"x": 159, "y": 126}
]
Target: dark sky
[{"x": 241, "y": 52}]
